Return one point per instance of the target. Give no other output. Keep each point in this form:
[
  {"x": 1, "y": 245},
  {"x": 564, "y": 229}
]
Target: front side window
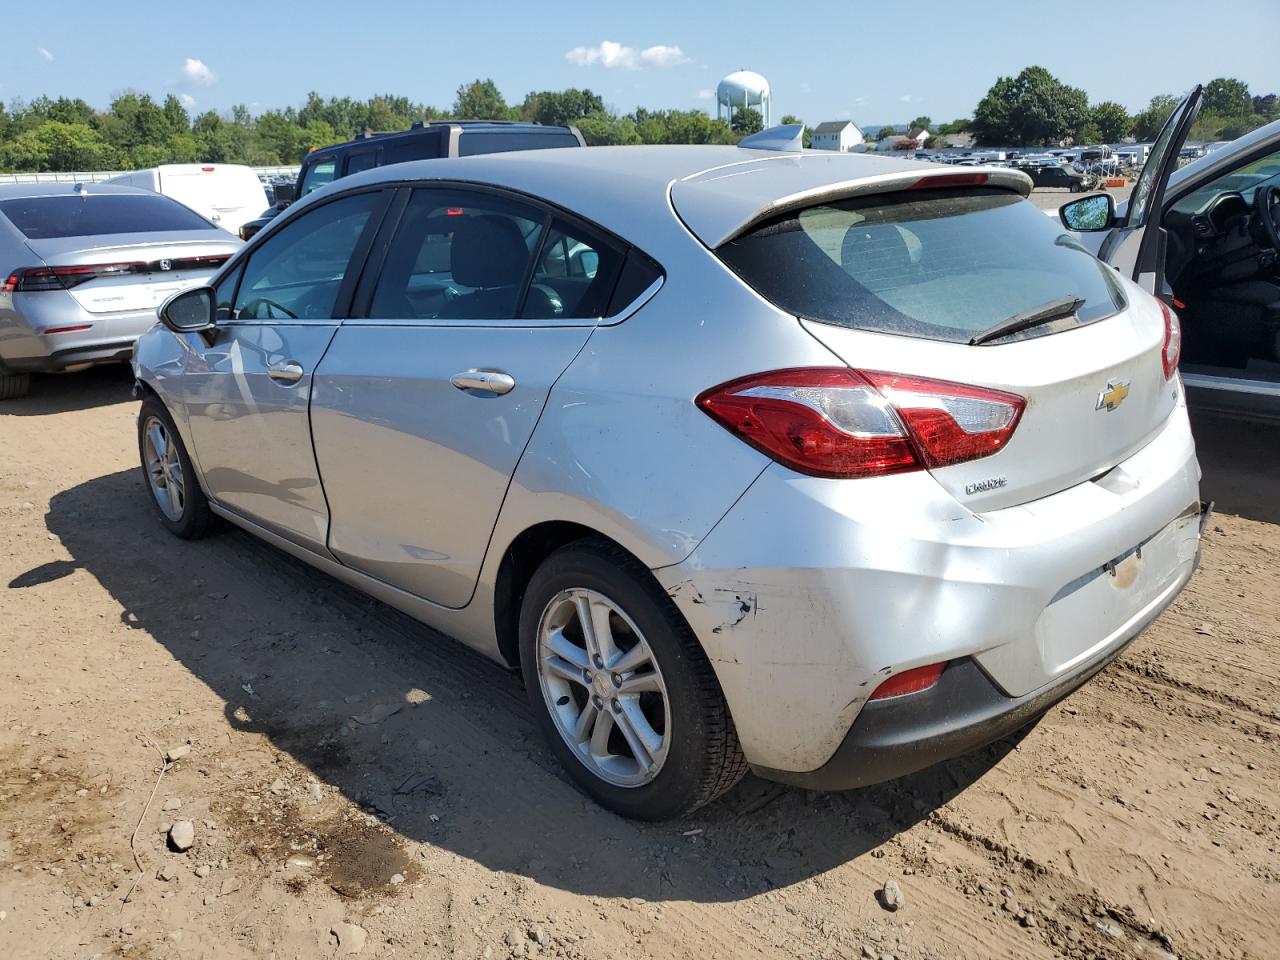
[
  {"x": 297, "y": 272},
  {"x": 224, "y": 293},
  {"x": 458, "y": 255},
  {"x": 936, "y": 264},
  {"x": 318, "y": 175},
  {"x": 362, "y": 161}
]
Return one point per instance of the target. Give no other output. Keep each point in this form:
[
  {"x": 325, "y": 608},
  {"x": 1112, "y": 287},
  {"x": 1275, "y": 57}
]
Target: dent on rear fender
[{"x": 792, "y": 700}]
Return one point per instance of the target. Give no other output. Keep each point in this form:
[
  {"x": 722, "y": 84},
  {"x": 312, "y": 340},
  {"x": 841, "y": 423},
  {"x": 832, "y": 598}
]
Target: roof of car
[
  {"x": 717, "y": 191},
  {"x": 22, "y": 191}
]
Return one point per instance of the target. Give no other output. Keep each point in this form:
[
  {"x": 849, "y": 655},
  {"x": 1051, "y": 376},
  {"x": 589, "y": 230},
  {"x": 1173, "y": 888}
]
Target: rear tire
[
  {"x": 680, "y": 723},
  {"x": 14, "y": 385},
  {"x": 171, "y": 479}
]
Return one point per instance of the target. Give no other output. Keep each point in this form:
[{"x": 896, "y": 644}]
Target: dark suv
[{"x": 422, "y": 141}]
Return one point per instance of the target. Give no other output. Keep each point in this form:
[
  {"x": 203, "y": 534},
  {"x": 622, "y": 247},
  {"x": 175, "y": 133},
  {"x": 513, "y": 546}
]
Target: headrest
[{"x": 488, "y": 251}]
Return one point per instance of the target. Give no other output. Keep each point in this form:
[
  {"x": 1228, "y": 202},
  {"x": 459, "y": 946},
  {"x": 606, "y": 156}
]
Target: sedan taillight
[
  {"x": 36, "y": 279},
  {"x": 842, "y": 423}
]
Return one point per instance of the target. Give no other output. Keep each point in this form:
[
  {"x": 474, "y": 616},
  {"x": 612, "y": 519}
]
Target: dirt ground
[{"x": 348, "y": 766}]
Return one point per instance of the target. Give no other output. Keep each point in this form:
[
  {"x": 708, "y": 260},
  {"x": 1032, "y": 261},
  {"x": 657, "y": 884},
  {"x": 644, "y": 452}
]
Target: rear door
[
  {"x": 422, "y": 408},
  {"x": 1136, "y": 246}
]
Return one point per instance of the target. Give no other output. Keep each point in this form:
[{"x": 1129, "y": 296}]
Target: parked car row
[{"x": 830, "y": 469}]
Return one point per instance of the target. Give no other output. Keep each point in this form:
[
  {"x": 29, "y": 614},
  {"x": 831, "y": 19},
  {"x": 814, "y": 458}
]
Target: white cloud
[
  {"x": 706, "y": 94},
  {"x": 197, "y": 71},
  {"x": 187, "y": 100},
  {"x": 45, "y": 53},
  {"x": 859, "y": 101},
  {"x": 663, "y": 56},
  {"x": 610, "y": 54},
  {"x": 906, "y": 98},
  {"x": 805, "y": 88}
]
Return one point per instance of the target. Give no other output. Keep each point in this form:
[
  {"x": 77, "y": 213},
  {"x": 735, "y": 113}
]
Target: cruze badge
[
  {"x": 1113, "y": 396},
  {"x": 982, "y": 486}
]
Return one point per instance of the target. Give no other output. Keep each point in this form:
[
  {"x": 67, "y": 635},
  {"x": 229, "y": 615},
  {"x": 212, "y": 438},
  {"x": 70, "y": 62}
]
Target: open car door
[{"x": 1136, "y": 244}]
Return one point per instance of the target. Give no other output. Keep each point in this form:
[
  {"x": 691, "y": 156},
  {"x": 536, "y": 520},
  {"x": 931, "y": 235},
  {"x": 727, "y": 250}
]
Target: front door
[
  {"x": 248, "y": 391},
  {"x": 1136, "y": 246},
  {"x": 421, "y": 410}
]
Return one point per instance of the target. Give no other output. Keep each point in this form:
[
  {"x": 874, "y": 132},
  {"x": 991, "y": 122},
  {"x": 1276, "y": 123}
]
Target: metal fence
[{"x": 97, "y": 176}]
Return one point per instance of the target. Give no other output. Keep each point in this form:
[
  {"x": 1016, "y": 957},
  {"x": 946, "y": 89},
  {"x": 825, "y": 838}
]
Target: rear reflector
[
  {"x": 840, "y": 423},
  {"x": 77, "y": 327},
  {"x": 909, "y": 681},
  {"x": 36, "y": 279},
  {"x": 945, "y": 180}
]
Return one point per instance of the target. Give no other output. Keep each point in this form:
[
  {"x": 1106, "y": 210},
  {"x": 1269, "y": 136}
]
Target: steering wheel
[{"x": 1266, "y": 208}]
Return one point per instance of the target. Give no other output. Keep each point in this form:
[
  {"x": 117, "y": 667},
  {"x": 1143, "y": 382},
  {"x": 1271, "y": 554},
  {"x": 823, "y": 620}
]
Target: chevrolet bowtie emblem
[{"x": 1113, "y": 396}]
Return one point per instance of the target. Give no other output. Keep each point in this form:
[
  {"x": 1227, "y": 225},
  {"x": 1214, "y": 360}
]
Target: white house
[{"x": 841, "y": 135}]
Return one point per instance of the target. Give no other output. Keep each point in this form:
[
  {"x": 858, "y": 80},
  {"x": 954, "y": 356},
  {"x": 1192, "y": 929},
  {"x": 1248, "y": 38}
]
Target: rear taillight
[
  {"x": 841, "y": 423},
  {"x": 36, "y": 279},
  {"x": 1171, "y": 352},
  {"x": 916, "y": 680}
]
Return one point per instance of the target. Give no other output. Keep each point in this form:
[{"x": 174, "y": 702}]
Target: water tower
[{"x": 744, "y": 89}]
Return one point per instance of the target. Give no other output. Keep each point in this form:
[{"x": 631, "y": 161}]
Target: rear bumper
[
  {"x": 962, "y": 712},
  {"x": 25, "y": 347}
]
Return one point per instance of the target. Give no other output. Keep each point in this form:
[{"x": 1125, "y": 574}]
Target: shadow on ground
[
  {"x": 63, "y": 392},
  {"x": 435, "y": 740}
]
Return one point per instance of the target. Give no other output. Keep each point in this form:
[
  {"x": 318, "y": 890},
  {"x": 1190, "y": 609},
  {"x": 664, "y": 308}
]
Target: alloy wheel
[
  {"x": 603, "y": 687},
  {"x": 164, "y": 469}
]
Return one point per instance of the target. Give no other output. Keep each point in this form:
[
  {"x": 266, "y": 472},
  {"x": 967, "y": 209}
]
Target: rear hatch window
[
  {"x": 47, "y": 218},
  {"x": 938, "y": 264}
]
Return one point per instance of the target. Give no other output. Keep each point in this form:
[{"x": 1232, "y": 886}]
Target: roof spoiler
[{"x": 787, "y": 138}]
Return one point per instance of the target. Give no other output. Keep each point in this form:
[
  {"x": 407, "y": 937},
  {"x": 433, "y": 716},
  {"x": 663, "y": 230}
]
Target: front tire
[
  {"x": 621, "y": 687},
  {"x": 175, "y": 490}
]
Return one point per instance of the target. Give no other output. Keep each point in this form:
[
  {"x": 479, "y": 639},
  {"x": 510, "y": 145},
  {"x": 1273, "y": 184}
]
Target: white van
[{"x": 226, "y": 193}]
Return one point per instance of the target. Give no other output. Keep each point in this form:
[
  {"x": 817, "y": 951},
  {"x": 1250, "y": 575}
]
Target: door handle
[
  {"x": 489, "y": 381},
  {"x": 286, "y": 372}
]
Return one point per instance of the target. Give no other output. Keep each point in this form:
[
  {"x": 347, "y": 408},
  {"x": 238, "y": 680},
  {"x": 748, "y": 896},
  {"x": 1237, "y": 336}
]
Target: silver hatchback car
[
  {"x": 83, "y": 268},
  {"x": 830, "y": 466}
]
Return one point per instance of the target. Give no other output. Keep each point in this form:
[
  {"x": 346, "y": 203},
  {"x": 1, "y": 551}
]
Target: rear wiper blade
[{"x": 1053, "y": 310}]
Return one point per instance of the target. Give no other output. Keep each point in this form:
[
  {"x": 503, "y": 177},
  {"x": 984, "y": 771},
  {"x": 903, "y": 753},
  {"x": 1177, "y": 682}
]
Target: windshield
[
  {"x": 1242, "y": 180},
  {"x": 73, "y": 215},
  {"x": 938, "y": 264}
]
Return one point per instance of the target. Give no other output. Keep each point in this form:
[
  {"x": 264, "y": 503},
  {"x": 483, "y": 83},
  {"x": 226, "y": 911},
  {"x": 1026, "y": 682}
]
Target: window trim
[
  {"x": 350, "y": 277},
  {"x": 358, "y": 313}
]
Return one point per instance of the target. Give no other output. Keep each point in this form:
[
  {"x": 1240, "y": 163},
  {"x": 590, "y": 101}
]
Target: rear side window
[
  {"x": 470, "y": 144},
  {"x": 938, "y": 264},
  {"x": 46, "y": 218},
  {"x": 458, "y": 255},
  {"x": 575, "y": 276}
]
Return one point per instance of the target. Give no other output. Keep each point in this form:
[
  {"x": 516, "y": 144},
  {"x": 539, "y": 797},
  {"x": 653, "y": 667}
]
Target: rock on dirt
[
  {"x": 891, "y": 895},
  {"x": 350, "y": 938},
  {"x": 182, "y": 835},
  {"x": 174, "y": 754}
]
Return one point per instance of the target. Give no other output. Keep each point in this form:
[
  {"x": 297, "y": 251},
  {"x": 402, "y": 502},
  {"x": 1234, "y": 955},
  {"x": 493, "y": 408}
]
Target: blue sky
[{"x": 873, "y": 62}]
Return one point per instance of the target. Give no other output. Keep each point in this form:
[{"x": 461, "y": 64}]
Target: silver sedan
[
  {"x": 83, "y": 268},
  {"x": 830, "y": 466}
]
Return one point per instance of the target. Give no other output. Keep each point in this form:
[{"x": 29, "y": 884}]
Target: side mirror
[
  {"x": 1089, "y": 214},
  {"x": 190, "y": 311}
]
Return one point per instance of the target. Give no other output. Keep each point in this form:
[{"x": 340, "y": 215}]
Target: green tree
[
  {"x": 560, "y": 107},
  {"x": 1148, "y": 123},
  {"x": 1267, "y": 108},
  {"x": 885, "y": 133},
  {"x": 746, "y": 122},
  {"x": 924, "y": 123},
  {"x": 480, "y": 100},
  {"x": 55, "y": 145},
  {"x": 1035, "y": 107},
  {"x": 1228, "y": 97},
  {"x": 1112, "y": 120}
]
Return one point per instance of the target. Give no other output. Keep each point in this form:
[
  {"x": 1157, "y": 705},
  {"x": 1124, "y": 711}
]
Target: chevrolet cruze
[{"x": 827, "y": 466}]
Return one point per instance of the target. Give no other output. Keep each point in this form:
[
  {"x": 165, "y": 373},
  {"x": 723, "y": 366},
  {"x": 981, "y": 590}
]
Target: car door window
[
  {"x": 365, "y": 160},
  {"x": 576, "y": 272},
  {"x": 318, "y": 175},
  {"x": 458, "y": 255},
  {"x": 224, "y": 294},
  {"x": 297, "y": 272}
]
